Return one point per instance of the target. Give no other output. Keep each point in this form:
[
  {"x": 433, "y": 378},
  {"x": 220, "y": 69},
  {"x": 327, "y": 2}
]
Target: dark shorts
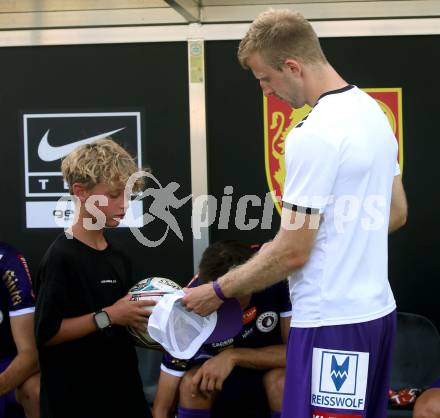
[
  {"x": 340, "y": 371},
  {"x": 242, "y": 396},
  {"x": 9, "y": 407}
]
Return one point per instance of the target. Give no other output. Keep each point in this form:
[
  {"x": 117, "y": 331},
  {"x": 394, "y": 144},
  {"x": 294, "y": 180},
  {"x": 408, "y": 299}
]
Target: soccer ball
[{"x": 152, "y": 288}]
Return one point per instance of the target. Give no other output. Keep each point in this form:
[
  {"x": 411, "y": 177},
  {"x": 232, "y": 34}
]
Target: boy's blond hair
[
  {"x": 278, "y": 35},
  {"x": 102, "y": 161}
]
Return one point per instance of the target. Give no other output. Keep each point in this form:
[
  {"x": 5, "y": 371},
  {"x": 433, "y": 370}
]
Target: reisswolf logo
[{"x": 339, "y": 379}]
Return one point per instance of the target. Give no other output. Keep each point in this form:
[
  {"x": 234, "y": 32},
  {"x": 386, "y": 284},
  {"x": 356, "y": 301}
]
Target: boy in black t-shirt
[{"x": 87, "y": 359}]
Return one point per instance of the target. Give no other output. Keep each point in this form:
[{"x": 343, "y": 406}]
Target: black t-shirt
[{"x": 97, "y": 375}]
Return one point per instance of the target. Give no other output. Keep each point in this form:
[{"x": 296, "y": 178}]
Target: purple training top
[{"x": 16, "y": 296}]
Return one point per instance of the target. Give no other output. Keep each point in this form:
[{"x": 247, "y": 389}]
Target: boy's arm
[
  {"x": 167, "y": 395},
  {"x": 25, "y": 364},
  {"x": 213, "y": 372},
  {"x": 74, "y": 328},
  {"x": 123, "y": 312}
]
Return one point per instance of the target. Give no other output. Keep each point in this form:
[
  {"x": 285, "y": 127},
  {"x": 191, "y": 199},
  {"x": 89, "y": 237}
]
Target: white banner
[{"x": 61, "y": 214}]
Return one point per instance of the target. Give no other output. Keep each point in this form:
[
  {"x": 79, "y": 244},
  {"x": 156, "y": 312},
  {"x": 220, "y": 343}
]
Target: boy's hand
[{"x": 126, "y": 311}]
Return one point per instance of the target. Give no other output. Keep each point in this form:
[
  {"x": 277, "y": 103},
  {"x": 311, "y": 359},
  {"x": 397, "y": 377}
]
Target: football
[{"x": 151, "y": 288}]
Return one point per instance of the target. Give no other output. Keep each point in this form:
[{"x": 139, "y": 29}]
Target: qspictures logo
[{"x": 48, "y": 138}]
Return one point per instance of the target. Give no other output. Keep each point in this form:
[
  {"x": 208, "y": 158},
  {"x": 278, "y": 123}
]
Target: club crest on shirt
[
  {"x": 280, "y": 119},
  {"x": 267, "y": 321}
]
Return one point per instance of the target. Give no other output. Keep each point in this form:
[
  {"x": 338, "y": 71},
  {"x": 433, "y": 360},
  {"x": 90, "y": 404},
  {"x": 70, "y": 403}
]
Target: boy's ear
[{"x": 80, "y": 192}]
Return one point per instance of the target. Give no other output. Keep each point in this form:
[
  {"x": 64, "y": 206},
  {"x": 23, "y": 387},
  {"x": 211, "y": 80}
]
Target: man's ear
[
  {"x": 293, "y": 65},
  {"x": 80, "y": 192}
]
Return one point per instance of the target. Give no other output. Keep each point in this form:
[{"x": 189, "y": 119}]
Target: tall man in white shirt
[{"x": 342, "y": 196}]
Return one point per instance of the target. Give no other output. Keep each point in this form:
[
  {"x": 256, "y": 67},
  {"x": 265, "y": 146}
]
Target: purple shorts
[
  {"x": 9, "y": 407},
  {"x": 340, "y": 371}
]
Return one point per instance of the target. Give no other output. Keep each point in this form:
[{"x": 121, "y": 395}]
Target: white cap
[{"x": 181, "y": 332}]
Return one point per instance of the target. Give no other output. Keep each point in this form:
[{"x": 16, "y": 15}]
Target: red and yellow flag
[{"x": 280, "y": 118}]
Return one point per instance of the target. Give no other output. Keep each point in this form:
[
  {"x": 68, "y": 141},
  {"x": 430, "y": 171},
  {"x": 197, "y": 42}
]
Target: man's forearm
[
  {"x": 269, "y": 357},
  {"x": 264, "y": 269},
  {"x": 399, "y": 206},
  {"x": 397, "y": 220},
  {"x": 288, "y": 252},
  {"x": 24, "y": 365}
]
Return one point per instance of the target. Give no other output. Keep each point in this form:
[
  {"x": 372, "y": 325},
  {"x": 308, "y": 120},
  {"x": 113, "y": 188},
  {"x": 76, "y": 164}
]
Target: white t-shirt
[{"x": 341, "y": 161}]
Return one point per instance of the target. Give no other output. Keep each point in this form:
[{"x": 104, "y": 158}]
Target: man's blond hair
[
  {"x": 278, "y": 35},
  {"x": 102, "y": 161}
]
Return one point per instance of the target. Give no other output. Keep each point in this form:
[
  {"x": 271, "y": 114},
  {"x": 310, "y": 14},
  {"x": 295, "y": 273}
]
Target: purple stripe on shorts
[
  {"x": 340, "y": 371},
  {"x": 4, "y": 363},
  {"x": 436, "y": 384},
  {"x": 192, "y": 413}
]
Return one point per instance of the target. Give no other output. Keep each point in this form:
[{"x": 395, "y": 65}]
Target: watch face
[{"x": 102, "y": 320}]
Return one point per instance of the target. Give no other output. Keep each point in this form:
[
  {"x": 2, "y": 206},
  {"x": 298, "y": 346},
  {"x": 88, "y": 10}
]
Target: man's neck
[{"x": 321, "y": 80}]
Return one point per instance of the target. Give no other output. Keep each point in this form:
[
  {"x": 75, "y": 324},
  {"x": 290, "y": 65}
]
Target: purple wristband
[{"x": 218, "y": 290}]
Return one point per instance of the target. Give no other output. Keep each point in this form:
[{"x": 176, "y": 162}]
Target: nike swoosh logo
[{"x": 48, "y": 152}]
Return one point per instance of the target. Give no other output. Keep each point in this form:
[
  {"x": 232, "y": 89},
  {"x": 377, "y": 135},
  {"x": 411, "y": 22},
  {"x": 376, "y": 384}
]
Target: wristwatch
[{"x": 102, "y": 320}]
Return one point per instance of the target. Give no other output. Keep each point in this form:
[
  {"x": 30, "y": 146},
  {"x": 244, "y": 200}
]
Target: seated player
[
  {"x": 19, "y": 377},
  {"x": 243, "y": 370},
  {"x": 428, "y": 404}
]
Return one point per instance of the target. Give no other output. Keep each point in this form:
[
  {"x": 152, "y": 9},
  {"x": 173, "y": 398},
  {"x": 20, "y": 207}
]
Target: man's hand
[
  {"x": 130, "y": 312},
  {"x": 201, "y": 299},
  {"x": 211, "y": 375}
]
